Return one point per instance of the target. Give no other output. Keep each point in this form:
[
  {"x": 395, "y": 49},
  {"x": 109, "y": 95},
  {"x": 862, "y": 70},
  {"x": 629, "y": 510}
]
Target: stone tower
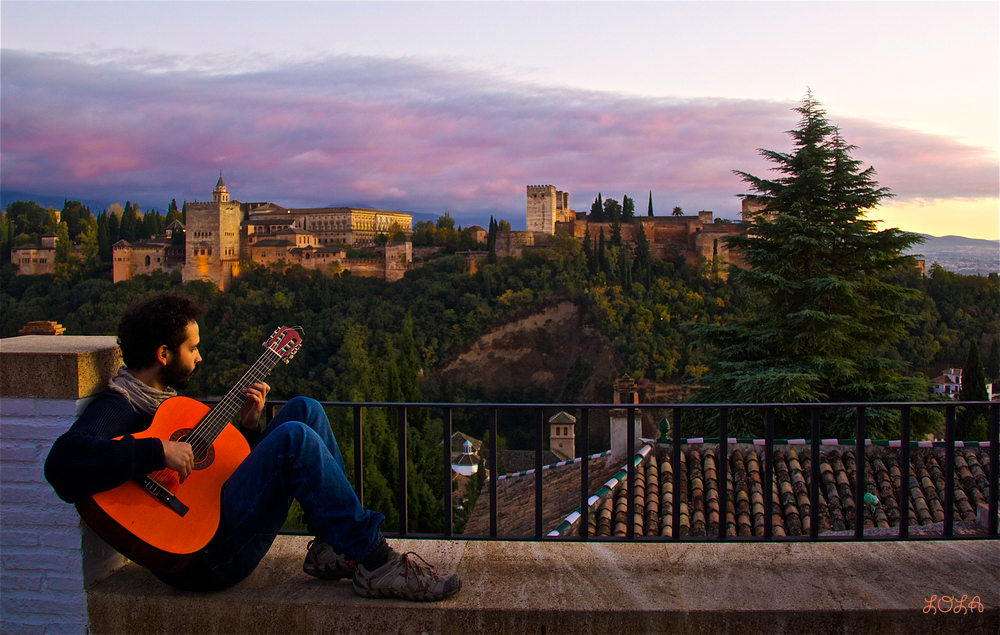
[
  {"x": 562, "y": 435},
  {"x": 546, "y": 207},
  {"x": 212, "y": 249},
  {"x": 221, "y": 193}
]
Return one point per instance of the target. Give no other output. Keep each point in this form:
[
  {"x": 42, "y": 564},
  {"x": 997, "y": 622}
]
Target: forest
[{"x": 368, "y": 340}]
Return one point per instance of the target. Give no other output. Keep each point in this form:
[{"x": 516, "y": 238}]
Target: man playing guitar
[{"x": 295, "y": 457}]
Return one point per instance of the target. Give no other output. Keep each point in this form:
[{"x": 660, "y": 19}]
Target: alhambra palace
[{"x": 225, "y": 234}]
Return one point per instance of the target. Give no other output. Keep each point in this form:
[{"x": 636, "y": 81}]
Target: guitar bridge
[{"x": 163, "y": 495}]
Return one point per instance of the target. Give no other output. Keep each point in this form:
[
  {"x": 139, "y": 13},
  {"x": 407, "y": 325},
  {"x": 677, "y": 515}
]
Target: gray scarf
[{"x": 142, "y": 396}]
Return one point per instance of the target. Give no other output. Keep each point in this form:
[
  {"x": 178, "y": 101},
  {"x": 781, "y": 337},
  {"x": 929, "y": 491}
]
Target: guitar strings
[{"x": 218, "y": 418}]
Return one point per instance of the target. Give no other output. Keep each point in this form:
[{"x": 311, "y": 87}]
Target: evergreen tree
[
  {"x": 597, "y": 210},
  {"x": 970, "y": 424},
  {"x": 172, "y": 212},
  {"x": 643, "y": 256},
  {"x": 103, "y": 237},
  {"x": 612, "y": 211},
  {"x": 602, "y": 257},
  {"x": 628, "y": 209},
  {"x": 649, "y": 210},
  {"x": 993, "y": 363},
  {"x": 129, "y": 223},
  {"x": 825, "y": 315},
  {"x": 491, "y": 242},
  {"x": 114, "y": 229}
]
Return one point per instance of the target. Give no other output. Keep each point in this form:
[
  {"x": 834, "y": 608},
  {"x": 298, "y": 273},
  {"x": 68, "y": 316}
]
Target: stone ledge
[
  {"x": 551, "y": 588},
  {"x": 57, "y": 367}
]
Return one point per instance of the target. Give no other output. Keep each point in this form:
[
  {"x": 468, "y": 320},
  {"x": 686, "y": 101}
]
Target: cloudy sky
[{"x": 457, "y": 106}]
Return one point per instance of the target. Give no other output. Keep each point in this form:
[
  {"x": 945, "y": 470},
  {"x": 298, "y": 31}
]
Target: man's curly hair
[{"x": 159, "y": 319}]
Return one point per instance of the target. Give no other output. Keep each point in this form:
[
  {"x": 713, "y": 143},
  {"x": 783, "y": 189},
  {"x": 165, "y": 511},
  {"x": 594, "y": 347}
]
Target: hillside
[
  {"x": 968, "y": 256},
  {"x": 551, "y": 353}
]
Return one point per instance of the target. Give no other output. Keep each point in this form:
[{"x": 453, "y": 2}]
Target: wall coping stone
[{"x": 63, "y": 367}]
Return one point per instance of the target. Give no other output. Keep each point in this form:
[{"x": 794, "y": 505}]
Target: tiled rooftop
[
  {"x": 699, "y": 506},
  {"x": 516, "y": 497}
]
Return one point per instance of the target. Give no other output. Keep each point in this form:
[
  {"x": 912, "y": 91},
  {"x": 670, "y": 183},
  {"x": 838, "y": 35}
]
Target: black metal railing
[{"x": 675, "y": 442}]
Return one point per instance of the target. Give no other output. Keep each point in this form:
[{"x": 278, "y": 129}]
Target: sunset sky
[{"x": 457, "y": 106}]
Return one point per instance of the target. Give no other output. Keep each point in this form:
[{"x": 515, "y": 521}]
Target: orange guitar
[{"x": 159, "y": 522}]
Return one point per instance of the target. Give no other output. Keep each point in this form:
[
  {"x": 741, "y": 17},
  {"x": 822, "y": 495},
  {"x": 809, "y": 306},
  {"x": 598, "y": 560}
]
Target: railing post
[
  {"x": 539, "y": 442},
  {"x": 359, "y": 480},
  {"x": 814, "y": 474},
  {"x": 403, "y": 486},
  {"x": 446, "y": 441},
  {"x": 994, "y": 468},
  {"x": 949, "y": 471},
  {"x": 904, "y": 474},
  {"x": 583, "y": 451},
  {"x": 859, "y": 473},
  {"x": 493, "y": 473},
  {"x": 630, "y": 476},
  {"x": 768, "y": 481},
  {"x": 722, "y": 473},
  {"x": 675, "y": 517}
]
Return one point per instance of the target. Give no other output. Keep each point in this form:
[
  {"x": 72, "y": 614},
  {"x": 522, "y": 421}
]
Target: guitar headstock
[{"x": 284, "y": 342}]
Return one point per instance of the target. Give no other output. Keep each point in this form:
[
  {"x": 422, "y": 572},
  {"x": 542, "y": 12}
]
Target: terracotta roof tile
[{"x": 700, "y": 514}]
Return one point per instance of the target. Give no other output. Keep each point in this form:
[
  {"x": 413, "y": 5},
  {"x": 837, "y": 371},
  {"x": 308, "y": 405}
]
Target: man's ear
[{"x": 163, "y": 355}]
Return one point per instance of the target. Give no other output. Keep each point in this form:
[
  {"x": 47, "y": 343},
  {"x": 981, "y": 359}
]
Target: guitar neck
[{"x": 217, "y": 419}]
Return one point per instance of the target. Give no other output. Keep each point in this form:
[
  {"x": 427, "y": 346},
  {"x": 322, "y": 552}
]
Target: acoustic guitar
[{"x": 159, "y": 522}]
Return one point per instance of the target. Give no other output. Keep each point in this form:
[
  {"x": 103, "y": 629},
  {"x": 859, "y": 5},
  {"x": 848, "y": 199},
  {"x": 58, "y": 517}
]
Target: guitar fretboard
[{"x": 218, "y": 418}]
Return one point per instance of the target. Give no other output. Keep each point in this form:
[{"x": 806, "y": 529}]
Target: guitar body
[{"x": 144, "y": 529}]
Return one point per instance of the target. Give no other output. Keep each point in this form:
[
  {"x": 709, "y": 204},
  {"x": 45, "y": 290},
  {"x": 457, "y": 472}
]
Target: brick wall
[
  {"x": 47, "y": 558},
  {"x": 42, "y": 577}
]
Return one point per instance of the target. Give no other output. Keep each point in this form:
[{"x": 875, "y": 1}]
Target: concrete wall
[{"x": 49, "y": 558}]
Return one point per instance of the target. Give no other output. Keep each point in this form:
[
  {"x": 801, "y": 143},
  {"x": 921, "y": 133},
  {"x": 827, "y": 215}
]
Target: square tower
[
  {"x": 542, "y": 206},
  {"x": 212, "y": 245}
]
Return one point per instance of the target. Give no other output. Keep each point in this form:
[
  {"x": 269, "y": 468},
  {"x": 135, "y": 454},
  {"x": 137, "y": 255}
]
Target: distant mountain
[
  {"x": 959, "y": 254},
  {"x": 10, "y": 196}
]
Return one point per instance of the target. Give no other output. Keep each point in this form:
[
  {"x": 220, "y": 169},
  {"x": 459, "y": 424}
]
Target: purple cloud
[{"x": 405, "y": 135}]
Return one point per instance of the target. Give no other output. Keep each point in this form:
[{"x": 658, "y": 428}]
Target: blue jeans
[{"x": 296, "y": 457}]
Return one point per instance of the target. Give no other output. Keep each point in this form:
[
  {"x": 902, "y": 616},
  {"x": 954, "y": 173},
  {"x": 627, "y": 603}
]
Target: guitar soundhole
[{"x": 203, "y": 456}]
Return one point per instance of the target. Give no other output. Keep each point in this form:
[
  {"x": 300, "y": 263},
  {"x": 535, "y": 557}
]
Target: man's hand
[
  {"x": 179, "y": 457},
  {"x": 254, "y": 395}
]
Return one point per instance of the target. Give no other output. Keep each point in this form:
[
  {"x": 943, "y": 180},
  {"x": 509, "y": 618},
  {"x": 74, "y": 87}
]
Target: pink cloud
[{"x": 415, "y": 137}]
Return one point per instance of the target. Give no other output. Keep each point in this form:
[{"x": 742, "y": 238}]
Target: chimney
[{"x": 626, "y": 393}]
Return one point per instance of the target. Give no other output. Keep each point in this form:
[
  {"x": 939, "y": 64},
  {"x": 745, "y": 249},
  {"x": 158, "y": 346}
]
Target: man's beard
[{"x": 176, "y": 376}]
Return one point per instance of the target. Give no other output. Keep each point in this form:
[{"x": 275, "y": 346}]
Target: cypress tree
[
  {"x": 628, "y": 208},
  {"x": 825, "y": 315},
  {"x": 649, "y": 210},
  {"x": 597, "y": 210},
  {"x": 114, "y": 229},
  {"x": 993, "y": 363},
  {"x": 103, "y": 237},
  {"x": 970, "y": 424},
  {"x": 602, "y": 258}
]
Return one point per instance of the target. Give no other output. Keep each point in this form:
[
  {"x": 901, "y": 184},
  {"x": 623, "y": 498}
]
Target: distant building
[
  {"x": 223, "y": 234},
  {"x": 37, "y": 259},
  {"x": 690, "y": 237},
  {"x": 949, "y": 384}
]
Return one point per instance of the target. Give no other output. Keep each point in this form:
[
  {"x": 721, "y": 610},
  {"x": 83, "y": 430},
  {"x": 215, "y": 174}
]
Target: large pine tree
[{"x": 824, "y": 312}]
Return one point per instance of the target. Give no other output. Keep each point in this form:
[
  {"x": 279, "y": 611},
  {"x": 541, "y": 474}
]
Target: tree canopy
[{"x": 825, "y": 311}]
